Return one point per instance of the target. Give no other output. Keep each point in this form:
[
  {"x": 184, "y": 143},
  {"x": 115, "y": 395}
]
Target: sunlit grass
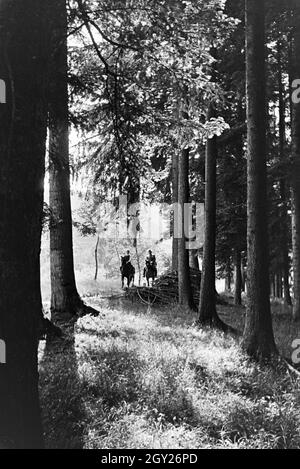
[{"x": 135, "y": 378}]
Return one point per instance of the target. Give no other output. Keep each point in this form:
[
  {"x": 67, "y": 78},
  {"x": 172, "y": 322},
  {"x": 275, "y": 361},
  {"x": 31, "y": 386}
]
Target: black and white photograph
[{"x": 149, "y": 227}]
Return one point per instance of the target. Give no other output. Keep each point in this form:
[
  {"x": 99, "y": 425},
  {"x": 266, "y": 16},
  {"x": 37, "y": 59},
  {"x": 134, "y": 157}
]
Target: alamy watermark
[
  {"x": 296, "y": 353},
  {"x": 152, "y": 221},
  {"x": 296, "y": 92}
]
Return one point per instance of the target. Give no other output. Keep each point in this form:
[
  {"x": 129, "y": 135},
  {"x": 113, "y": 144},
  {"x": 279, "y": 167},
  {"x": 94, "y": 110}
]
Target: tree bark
[
  {"x": 228, "y": 278},
  {"x": 238, "y": 278},
  {"x": 138, "y": 264},
  {"x": 175, "y": 202},
  {"x": 258, "y": 339},
  {"x": 184, "y": 284},
  {"x": 194, "y": 261},
  {"x": 296, "y": 168},
  {"x": 23, "y": 63},
  {"x": 65, "y": 300},
  {"x": 272, "y": 288},
  {"x": 281, "y": 286},
  {"x": 278, "y": 285},
  {"x": 207, "y": 305},
  {"x": 244, "y": 275}
]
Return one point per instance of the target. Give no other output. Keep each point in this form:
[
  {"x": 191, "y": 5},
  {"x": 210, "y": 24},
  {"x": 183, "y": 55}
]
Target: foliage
[{"x": 142, "y": 89}]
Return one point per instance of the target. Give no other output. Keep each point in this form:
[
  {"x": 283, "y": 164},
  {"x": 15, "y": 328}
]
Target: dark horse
[
  {"x": 150, "y": 271},
  {"x": 127, "y": 271}
]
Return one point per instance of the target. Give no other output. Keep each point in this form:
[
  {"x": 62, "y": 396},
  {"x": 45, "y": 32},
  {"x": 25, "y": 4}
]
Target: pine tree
[
  {"x": 207, "y": 306},
  {"x": 258, "y": 339},
  {"x": 65, "y": 300},
  {"x": 175, "y": 202}
]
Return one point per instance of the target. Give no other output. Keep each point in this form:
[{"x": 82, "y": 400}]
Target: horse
[
  {"x": 150, "y": 271},
  {"x": 128, "y": 272}
]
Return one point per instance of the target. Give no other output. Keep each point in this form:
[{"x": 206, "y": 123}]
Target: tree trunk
[
  {"x": 296, "y": 248},
  {"x": 286, "y": 282},
  {"x": 296, "y": 168},
  {"x": 278, "y": 285},
  {"x": 228, "y": 278},
  {"x": 65, "y": 300},
  {"x": 283, "y": 182},
  {"x": 238, "y": 278},
  {"x": 207, "y": 305},
  {"x": 23, "y": 63},
  {"x": 184, "y": 283},
  {"x": 244, "y": 275},
  {"x": 96, "y": 258},
  {"x": 273, "y": 286},
  {"x": 138, "y": 264},
  {"x": 258, "y": 339},
  {"x": 194, "y": 261},
  {"x": 175, "y": 202}
]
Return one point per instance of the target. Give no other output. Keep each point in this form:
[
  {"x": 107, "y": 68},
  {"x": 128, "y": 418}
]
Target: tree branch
[{"x": 87, "y": 25}]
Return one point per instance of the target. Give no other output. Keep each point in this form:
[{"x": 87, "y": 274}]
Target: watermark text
[
  {"x": 2, "y": 352},
  {"x": 152, "y": 221},
  {"x": 2, "y": 92},
  {"x": 296, "y": 353}
]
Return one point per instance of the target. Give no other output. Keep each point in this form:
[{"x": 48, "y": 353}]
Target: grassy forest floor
[{"x": 140, "y": 378}]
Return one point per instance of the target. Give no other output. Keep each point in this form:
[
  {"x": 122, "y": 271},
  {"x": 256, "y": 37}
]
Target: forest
[{"x": 149, "y": 224}]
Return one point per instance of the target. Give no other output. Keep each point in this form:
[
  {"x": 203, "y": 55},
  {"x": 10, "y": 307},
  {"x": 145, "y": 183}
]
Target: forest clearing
[
  {"x": 146, "y": 378},
  {"x": 149, "y": 227}
]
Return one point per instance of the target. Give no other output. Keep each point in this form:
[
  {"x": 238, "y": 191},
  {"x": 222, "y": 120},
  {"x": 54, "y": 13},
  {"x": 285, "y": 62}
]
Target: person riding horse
[
  {"x": 127, "y": 269},
  {"x": 150, "y": 270},
  {"x": 127, "y": 259}
]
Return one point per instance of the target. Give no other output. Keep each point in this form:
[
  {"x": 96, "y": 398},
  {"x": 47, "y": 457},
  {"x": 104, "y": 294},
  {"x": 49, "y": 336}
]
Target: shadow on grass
[
  {"x": 112, "y": 376},
  {"x": 60, "y": 391}
]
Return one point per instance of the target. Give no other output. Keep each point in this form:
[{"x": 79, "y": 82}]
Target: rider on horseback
[
  {"x": 127, "y": 269},
  {"x": 127, "y": 259},
  {"x": 151, "y": 262}
]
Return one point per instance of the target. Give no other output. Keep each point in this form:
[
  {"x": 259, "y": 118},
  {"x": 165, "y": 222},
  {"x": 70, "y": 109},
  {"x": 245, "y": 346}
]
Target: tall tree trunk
[
  {"x": 238, "y": 278},
  {"x": 194, "y": 261},
  {"x": 273, "y": 287},
  {"x": 228, "y": 277},
  {"x": 138, "y": 264},
  {"x": 184, "y": 283},
  {"x": 258, "y": 339},
  {"x": 207, "y": 305},
  {"x": 278, "y": 285},
  {"x": 175, "y": 202},
  {"x": 283, "y": 182},
  {"x": 244, "y": 275},
  {"x": 23, "y": 62},
  {"x": 296, "y": 168},
  {"x": 65, "y": 300},
  {"x": 96, "y": 258}
]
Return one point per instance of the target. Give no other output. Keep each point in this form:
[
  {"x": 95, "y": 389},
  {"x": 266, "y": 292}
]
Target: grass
[{"x": 140, "y": 378}]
